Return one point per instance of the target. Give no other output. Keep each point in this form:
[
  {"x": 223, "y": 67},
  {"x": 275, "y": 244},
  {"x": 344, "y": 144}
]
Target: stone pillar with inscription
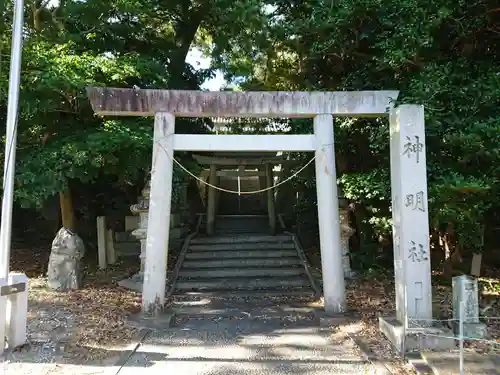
[
  {"x": 410, "y": 216},
  {"x": 410, "y": 228},
  {"x": 466, "y": 307}
]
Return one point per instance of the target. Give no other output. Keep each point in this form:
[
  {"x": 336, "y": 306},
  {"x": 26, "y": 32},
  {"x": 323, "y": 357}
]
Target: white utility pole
[{"x": 11, "y": 138}]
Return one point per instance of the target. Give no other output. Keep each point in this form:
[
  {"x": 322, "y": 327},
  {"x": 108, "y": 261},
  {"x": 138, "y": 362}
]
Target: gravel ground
[
  {"x": 86, "y": 327},
  {"x": 375, "y": 297},
  {"x": 79, "y": 328}
]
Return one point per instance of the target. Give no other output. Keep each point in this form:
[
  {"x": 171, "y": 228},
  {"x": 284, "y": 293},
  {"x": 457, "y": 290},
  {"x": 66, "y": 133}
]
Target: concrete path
[{"x": 246, "y": 346}]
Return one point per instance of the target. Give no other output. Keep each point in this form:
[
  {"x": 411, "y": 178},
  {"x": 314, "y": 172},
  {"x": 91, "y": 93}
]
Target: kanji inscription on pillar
[
  {"x": 413, "y": 148},
  {"x": 417, "y": 252},
  {"x": 415, "y": 201}
]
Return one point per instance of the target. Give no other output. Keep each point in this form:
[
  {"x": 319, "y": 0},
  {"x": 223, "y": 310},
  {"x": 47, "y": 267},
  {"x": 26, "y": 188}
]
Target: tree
[
  {"x": 444, "y": 55},
  {"x": 72, "y": 44}
]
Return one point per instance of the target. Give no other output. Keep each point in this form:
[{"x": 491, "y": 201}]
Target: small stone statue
[{"x": 65, "y": 271}]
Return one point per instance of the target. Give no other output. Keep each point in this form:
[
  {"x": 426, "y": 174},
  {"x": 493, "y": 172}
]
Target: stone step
[
  {"x": 239, "y": 262},
  {"x": 242, "y": 220},
  {"x": 209, "y": 255},
  {"x": 242, "y": 246},
  {"x": 242, "y": 223},
  {"x": 240, "y": 239},
  {"x": 247, "y": 231},
  {"x": 200, "y": 300},
  {"x": 262, "y": 216},
  {"x": 275, "y": 294},
  {"x": 240, "y": 283},
  {"x": 244, "y": 311},
  {"x": 242, "y": 226},
  {"x": 240, "y": 272}
]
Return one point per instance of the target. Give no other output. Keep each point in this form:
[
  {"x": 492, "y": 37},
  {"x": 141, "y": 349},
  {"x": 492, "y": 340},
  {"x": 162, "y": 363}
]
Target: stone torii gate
[{"x": 408, "y": 176}]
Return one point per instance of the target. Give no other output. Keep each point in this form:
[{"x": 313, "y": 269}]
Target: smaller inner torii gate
[
  {"x": 408, "y": 175},
  {"x": 234, "y": 166}
]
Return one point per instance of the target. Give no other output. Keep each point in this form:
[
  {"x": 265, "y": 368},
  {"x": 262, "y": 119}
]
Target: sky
[{"x": 198, "y": 61}]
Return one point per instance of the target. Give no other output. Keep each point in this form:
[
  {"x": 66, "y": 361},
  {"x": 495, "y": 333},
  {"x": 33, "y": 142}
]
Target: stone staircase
[
  {"x": 241, "y": 261},
  {"x": 241, "y": 225}
]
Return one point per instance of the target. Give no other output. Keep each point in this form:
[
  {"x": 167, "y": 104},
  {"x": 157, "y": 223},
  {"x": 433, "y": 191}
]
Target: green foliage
[
  {"x": 114, "y": 149},
  {"x": 444, "y": 55},
  {"x": 372, "y": 185},
  {"x": 72, "y": 44}
]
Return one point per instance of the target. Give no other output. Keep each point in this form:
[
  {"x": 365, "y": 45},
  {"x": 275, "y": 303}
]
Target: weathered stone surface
[
  {"x": 64, "y": 271},
  {"x": 182, "y": 103}
]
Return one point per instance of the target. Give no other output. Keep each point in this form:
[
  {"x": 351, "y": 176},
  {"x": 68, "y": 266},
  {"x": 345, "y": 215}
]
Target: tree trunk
[
  {"x": 477, "y": 258},
  {"x": 185, "y": 32},
  {"x": 67, "y": 213},
  {"x": 452, "y": 254}
]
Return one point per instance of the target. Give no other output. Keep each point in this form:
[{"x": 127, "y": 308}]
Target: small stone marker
[
  {"x": 465, "y": 289},
  {"x": 64, "y": 270}
]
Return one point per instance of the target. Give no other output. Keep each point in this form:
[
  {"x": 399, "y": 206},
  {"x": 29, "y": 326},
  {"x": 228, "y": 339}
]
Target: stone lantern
[
  {"x": 345, "y": 233},
  {"x": 177, "y": 229},
  {"x": 142, "y": 209}
]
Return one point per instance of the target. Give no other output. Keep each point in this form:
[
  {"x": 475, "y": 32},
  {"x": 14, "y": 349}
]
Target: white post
[
  {"x": 101, "y": 241},
  {"x": 11, "y": 139},
  {"x": 10, "y": 155},
  {"x": 328, "y": 216},
  {"x": 211, "y": 200},
  {"x": 17, "y": 312},
  {"x": 409, "y": 214},
  {"x": 160, "y": 200}
]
